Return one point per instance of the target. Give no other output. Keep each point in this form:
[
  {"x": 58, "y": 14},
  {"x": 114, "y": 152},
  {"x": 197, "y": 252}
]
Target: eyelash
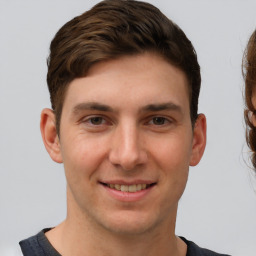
[
  {"x": 164, "y": 120},
  {"x": 90, "y": 119},
  {"x": 150, "y": 121}
]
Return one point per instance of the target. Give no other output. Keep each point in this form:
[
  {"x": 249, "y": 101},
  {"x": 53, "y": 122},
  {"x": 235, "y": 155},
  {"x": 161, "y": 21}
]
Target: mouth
[{"x": 129, "y": 188}]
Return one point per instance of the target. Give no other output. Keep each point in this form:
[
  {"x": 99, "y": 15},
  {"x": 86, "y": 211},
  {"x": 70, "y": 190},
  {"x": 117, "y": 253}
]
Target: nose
[{"x": 127, "y": 149}]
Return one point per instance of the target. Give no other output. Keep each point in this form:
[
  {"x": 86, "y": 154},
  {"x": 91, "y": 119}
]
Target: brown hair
[
  {"x": 249, "y": 73},
  {"x": 111, "y": 29}
]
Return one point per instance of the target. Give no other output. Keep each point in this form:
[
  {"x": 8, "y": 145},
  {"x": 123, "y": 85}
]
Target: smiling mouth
[{"x": 129, "y": 188}]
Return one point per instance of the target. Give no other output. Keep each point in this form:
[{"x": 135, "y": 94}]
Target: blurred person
[{"x": 249, "y": 72}]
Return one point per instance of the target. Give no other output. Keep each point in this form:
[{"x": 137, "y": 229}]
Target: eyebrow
[
  {"x": 105, "y": 108},
  {"x": 92, "y": 106},
  {"x": 162, "y": 106}
]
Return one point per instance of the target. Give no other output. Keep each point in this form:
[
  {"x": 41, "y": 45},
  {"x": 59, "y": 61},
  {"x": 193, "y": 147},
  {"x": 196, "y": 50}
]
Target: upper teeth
[{"x": 128, "y": 188}]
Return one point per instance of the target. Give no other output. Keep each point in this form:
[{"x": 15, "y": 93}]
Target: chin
[{"x": 130, "y": 224}]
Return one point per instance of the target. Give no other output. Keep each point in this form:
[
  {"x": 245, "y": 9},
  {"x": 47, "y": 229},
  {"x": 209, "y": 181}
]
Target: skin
[
  {"x": 126, "y": 122},
  {"x": 253, "y": 118}
]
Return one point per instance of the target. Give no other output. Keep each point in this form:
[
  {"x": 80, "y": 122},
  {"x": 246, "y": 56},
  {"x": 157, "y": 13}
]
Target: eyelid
[
  {"x": 88, "y": 118},
  {"x": 169, "y": 120}
]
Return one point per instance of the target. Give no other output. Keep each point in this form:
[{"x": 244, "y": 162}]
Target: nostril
[{"x": 127, "y": 151}]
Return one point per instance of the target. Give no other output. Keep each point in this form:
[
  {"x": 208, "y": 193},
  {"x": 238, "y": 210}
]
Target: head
[
  {"x": 113, "y": 29},
  {"x": 249, "y": 72},
  {"x": 124, "y": 83}
]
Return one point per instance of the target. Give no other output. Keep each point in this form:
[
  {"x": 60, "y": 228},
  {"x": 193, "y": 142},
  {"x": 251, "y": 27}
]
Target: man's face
[
  {"x": 253, "y": 99},
  {"x": 126, "y": 142}
]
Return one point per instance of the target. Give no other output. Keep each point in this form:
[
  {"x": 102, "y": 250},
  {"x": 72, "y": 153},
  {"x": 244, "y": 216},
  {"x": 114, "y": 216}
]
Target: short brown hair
[
  {"x": 115, "y": 28},
  {"x": 249, "y": 72}
]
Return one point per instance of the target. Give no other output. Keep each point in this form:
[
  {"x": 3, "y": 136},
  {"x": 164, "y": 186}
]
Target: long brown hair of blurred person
[{"x": 249, "y": 73}]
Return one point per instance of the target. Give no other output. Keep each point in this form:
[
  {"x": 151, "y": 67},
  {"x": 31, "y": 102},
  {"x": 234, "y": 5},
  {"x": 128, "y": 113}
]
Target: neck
[
  {"x": 79, "y": 235},
  {"x": 69, "y": 240}
]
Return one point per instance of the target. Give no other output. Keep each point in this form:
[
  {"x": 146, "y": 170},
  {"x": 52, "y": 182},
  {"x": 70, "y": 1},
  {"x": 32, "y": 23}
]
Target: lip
[
  {"x": 128, "y": 196},
  {"x": 133, "y": 182}
]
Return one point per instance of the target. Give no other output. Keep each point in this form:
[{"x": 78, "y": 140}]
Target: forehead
[{"x": 140, "y": 79}]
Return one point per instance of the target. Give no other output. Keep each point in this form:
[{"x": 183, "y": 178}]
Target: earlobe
[
  {"x": 199, "y": 140},
  {"x": 49, "y": 135}
]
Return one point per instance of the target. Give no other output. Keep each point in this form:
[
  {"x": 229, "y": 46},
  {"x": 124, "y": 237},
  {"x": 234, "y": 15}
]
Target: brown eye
[
  {"x": 159, "y": 120},
  {"x": 97, "y": 120}
]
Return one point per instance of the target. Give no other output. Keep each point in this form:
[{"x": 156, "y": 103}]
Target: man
[{"x": 124, "y": 83}]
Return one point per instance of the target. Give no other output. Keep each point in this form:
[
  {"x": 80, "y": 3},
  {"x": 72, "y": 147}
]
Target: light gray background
[{"x": 218, "y": 209}]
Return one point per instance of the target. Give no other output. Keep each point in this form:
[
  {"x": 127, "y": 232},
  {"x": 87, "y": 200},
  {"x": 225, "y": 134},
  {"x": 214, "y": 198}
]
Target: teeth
[
  {"x": 139, "y": 187},
  {"x": 128, "y": 188},
  {"x": 132, "y": 188},
  {"x": 124, "y": 188},
  {"x": 117, "y": 187}
]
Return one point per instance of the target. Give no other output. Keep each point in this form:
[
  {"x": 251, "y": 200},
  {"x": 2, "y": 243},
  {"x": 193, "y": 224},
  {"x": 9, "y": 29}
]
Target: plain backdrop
[{"x": 218, "y": 208}]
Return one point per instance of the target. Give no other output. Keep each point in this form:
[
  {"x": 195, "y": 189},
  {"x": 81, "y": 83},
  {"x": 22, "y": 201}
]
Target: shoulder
[
  {"x": 38, "y": 245},
  {"x": 30, "y": 246},
  {"x": 194, "y": 250}
]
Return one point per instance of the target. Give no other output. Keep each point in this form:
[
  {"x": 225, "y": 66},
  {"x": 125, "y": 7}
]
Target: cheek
[
  {"x": 81, "y": 162},
  {"x": 81, "y": 158},
  {"x": 172, "y": 153},
  {"x": 172, "y": 158}
]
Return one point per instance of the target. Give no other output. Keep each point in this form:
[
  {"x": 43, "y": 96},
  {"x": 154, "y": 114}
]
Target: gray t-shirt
[{"x": 39, "y": 245}]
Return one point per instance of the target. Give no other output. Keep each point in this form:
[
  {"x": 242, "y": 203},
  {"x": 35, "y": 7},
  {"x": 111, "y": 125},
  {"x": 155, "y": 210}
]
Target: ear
[
  {"x": 49, "y": 135},
  {"x": 199, "y": 140}
]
